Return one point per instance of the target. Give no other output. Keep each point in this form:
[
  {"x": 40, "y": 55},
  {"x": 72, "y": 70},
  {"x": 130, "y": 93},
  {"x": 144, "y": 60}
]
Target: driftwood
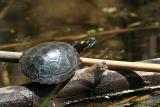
[{"x": 88, "y": 83}]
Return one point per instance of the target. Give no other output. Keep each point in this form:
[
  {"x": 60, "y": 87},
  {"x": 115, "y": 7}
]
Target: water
[{"x": 27, "y": 23}]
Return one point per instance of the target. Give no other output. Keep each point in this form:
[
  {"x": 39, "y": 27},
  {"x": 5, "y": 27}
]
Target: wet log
[
  {"x": 15, "y": 96},
  {"x": 87, "y": 83}
]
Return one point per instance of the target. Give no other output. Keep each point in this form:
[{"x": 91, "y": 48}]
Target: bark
[
  {"x": 15, "y": 96},
  {"x": 87, "y": 83}
]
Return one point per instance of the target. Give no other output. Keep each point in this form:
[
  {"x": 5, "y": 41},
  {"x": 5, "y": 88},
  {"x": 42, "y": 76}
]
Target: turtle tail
[{"x": 85, "y": 44}]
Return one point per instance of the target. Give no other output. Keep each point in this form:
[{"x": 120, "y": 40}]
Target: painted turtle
[{"x": 53, "y": 62}]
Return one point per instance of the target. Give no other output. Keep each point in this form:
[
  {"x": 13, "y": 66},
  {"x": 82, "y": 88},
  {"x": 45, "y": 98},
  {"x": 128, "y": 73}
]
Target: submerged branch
[
  {"x": 79, "y": 36},
  {"x": 5, "y": 10}
]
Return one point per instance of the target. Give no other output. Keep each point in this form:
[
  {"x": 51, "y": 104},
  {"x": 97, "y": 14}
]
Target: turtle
[{"x": 53, "y": 62}]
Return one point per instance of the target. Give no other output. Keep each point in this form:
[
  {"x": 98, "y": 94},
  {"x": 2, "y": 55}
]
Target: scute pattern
[{"x": 50, "y": 63}]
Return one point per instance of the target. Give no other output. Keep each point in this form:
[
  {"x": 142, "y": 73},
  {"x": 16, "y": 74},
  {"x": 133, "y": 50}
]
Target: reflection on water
[
  {"x": 11, "y": 75},
  {"x": 26, "y": 23}
]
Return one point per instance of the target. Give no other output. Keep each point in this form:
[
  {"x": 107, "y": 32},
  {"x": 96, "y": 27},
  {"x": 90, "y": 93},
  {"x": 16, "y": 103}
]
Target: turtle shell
[{"x": 50, "y": 63}]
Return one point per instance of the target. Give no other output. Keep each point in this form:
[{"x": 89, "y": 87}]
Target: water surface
[{"x": 27, "y": 23}]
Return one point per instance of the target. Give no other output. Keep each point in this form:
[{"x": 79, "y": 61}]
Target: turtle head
[{"x": 85, "y": 44}]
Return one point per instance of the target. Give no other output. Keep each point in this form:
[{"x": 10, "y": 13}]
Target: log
[
  {"x": 88, "y": 83},
  {"x": 16, "y": 96}
]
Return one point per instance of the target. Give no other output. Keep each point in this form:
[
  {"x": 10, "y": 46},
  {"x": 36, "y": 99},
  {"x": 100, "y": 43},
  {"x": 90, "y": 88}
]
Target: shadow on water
[{"x": 26, "y": 23}]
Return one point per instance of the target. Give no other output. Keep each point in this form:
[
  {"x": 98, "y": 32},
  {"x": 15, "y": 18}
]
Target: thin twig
[
  {"x": 14, "y": 57},
  {"x": 124, "y": 65}
]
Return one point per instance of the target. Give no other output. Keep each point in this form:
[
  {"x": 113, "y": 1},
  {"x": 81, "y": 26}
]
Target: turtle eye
[
  {"x": 88, "y": 42},
  {"x": 91, "y": 41},
  {"x": 82, "y": 42}
]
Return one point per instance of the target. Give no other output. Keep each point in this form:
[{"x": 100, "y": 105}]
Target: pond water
[{"x": 121, "y": 30}]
